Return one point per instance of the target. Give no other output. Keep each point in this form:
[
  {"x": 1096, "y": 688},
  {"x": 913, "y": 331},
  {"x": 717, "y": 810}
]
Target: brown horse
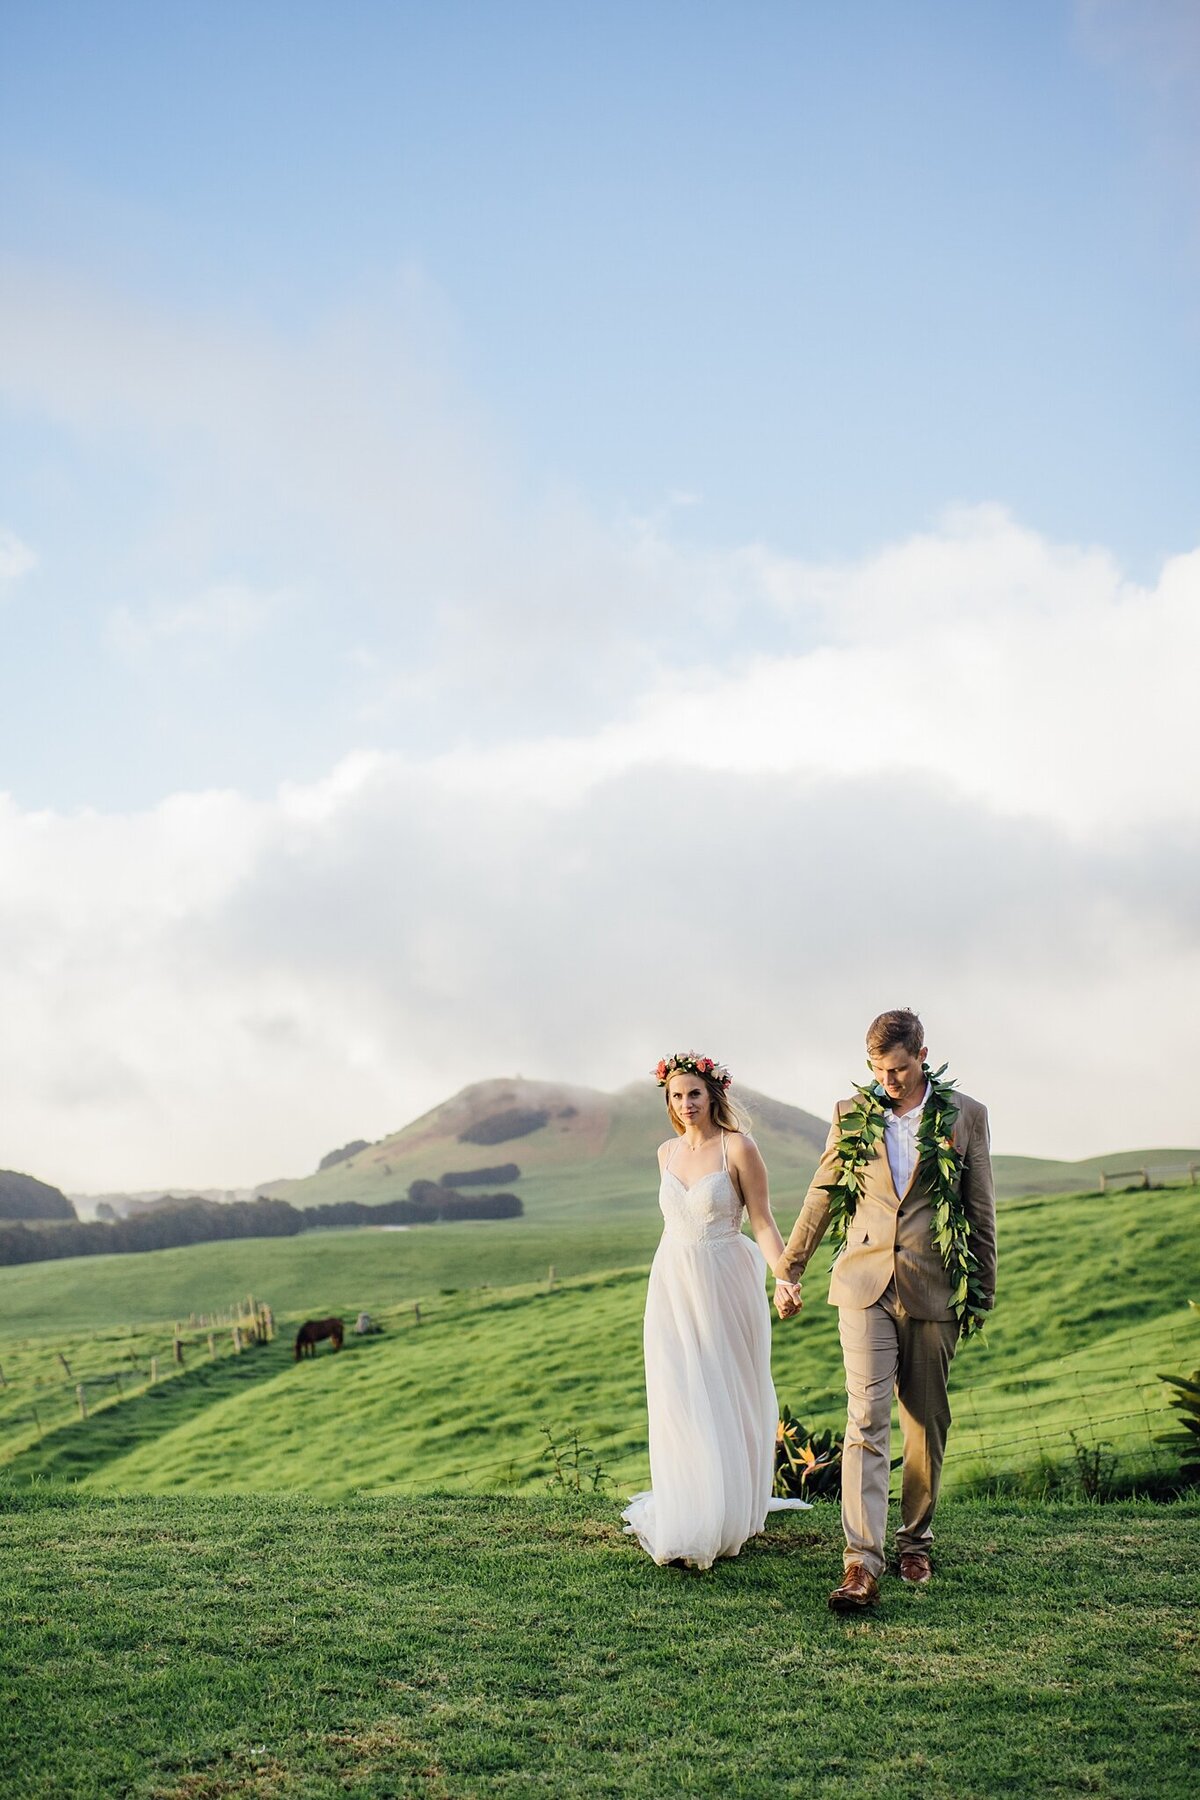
[{"x": 313, "y": 1330}]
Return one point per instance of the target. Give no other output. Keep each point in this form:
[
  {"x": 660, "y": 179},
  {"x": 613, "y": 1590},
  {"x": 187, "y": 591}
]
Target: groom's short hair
[{"x": 899, "y": 1028}]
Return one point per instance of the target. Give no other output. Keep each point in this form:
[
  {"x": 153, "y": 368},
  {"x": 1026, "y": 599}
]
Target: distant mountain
[
  {"x": 575, "y": 1146},
  {"x": 24, "y": 1197},
  {"x": 578, "y": 1148}
]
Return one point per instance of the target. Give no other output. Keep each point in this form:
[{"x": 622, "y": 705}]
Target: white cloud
[
  {"x": 345, "y": 469},
  {"x": 16, "y": 558},
  {"x": 212, "y": 622},
  {"x": 974, "y": 797},
  {"x": 351, "y": 433},
  {"x": 651, "y": 792},
  {"x": 1002, "y": 668}
]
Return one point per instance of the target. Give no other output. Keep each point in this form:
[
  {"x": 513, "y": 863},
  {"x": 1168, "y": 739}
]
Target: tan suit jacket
[{"x": 889, "y": 1234}]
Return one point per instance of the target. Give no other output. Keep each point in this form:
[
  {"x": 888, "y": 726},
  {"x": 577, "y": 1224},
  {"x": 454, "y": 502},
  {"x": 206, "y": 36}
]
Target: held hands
[{"x": 787, "y": 1298}]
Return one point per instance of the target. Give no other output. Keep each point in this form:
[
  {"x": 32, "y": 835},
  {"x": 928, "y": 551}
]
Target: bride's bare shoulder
[
  {"x": 742, "y": 1147},
  {"x": 665, "y": 1149}
]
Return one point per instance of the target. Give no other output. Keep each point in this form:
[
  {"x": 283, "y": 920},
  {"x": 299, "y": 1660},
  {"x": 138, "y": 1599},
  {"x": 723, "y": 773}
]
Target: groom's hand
[{"x": 787, "y": 1298}]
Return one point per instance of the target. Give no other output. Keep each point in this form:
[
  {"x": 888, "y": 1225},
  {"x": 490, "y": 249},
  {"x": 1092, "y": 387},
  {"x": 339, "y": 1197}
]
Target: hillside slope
[
  {"x": 576, "y": 1147},
  {"x": 25, "y": 1197},
  {"x": 579, "y": 1149},
  {"x": 1092, "y": 1305}
]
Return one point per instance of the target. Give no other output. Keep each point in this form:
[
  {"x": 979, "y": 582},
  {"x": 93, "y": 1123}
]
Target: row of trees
[{"x": 169, "y": 1223}]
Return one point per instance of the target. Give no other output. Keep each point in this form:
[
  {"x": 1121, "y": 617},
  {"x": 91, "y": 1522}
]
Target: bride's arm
[{"x": 750, "y": 1174}]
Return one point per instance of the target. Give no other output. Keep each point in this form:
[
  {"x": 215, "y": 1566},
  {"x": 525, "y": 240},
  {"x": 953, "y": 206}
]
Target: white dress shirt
[{"x": 900, "y": 1136}]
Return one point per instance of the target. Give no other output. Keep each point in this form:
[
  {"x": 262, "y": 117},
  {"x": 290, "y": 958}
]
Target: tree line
[{"x": 169, "y": 1224}]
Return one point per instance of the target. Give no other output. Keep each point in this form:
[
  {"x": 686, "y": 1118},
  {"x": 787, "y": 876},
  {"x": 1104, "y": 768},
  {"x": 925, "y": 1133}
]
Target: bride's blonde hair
[{"x": 725, "y": 1114}]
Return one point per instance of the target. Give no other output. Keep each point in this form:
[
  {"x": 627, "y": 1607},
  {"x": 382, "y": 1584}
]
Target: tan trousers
[{"x": 886, "y": 1352}]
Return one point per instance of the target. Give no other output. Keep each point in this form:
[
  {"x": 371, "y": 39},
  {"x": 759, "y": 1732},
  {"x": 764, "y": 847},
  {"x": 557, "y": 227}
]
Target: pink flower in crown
[{"x": 691, "y": 1059}]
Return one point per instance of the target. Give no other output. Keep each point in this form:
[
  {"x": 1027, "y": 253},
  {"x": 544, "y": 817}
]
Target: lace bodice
[{"x": 709, "y": 1210}]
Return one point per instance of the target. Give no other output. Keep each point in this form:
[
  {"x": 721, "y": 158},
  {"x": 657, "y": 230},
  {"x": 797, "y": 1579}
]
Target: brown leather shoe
[
  {"x": 915, "y": 1568},
  {"x": 858, "y": 1591}
]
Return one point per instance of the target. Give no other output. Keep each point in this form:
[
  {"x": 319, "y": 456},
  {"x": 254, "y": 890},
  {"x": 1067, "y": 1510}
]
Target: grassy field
[
  {"x": 1093, "y": 1305},
  {"x": 319, "y": 1273},
  {"x": 278, "y": 1649}
]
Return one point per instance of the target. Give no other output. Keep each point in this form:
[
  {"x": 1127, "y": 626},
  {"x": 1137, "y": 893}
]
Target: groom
[{"x": 903, "y": 1300}]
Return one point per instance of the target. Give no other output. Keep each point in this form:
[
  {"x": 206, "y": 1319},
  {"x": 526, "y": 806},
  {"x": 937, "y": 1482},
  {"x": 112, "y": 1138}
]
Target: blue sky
[{"x": 392, "y": 395}]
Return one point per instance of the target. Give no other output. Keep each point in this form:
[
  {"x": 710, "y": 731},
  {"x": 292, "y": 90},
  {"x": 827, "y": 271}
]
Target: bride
[{"x": 709, "y": 1394}]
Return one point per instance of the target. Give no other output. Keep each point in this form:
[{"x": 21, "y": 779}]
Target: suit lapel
[
  {"x": 912, "y": 1180},
  {"x": 890, "y": 1196}
]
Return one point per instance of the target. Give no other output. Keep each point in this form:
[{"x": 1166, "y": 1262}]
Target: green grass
[
  {"x": 113, "y": 1365},
  {"x": 278, "y": 1649},
  {"x": 318, "y": 1273},
  {"x": 1093, "y": 1305}
]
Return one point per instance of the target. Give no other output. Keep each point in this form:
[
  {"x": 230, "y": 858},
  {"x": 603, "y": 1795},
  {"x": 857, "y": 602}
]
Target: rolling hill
[
  {"x": 24, "y": 1197},
  {"x": 1092, "y": 1306},
  {"x": 578, "y": 1148}
]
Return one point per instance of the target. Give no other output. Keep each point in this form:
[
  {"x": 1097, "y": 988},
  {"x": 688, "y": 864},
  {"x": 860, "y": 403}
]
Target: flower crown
[{"x": 695, "y": 1064}]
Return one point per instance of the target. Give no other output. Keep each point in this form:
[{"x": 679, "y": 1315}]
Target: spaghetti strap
[{"x": 724, "y": 1154}]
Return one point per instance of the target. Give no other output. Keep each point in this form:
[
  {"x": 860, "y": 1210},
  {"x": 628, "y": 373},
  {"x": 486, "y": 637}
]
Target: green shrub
[{"x": 1187, "y": 1402}]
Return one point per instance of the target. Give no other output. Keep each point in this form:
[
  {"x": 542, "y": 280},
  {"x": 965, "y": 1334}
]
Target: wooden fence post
[
  {"x": 3, "y": 1383},
  {"x": 212, "y": 1348},
  {"x": 417, "y": 1311},
  {"x": 237, "y": 1339},
  {"x": 34, "y": 1414},
  {"x": 550, "y": 1277},
  {"x": 178, "y": 1351},
  {"x": 82, "y": 1399},
  {"x": 66, "y": 1365},
  {"x": 154, "y": 1368}
]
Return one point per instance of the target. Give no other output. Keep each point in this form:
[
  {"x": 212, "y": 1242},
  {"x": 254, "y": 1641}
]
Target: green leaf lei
[{"x": 861, "y": 1132}]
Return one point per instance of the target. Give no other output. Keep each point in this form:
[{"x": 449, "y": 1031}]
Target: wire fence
[
  {"x": 1106, "y": 1398},
  {"x": 1104, "y": 1405},
  {"x": 46, "y": 1385}
]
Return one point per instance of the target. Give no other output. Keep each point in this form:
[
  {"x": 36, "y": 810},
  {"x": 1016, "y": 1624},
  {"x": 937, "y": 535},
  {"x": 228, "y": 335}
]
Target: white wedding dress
[{"x": 709, "y": 1394}]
